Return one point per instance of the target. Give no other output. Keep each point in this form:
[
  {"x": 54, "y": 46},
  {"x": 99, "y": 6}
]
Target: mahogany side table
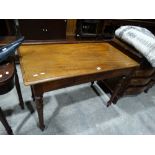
[{"x": 50, "y": 66}]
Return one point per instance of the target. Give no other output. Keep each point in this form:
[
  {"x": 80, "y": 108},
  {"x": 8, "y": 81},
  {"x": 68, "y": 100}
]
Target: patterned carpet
[{"x": 79, "y": 110}]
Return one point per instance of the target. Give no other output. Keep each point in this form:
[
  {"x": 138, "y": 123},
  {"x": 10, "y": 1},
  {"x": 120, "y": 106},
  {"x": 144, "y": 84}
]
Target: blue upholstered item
[{"x": 9, "y": 49}]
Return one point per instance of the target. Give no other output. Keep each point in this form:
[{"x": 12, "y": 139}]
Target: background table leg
[
  {"x": 92, "y": 83},
  {"x": 21, "y": 102},
  {"x": 5, "y": 123}
]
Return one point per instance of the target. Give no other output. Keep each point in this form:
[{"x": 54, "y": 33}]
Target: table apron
[{"x": 71, "y": 81}]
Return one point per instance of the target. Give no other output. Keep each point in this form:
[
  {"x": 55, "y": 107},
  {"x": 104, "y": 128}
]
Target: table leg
[
  {"x": 38, "y": 95},
  {"x": 39, "y": 106},
  {"x": 92, "y": 83},
  {"x": 32, "y": 94},
  {"x": 120, "y": 88},
  {"x": 149, "y": 86},
  {"x": 5, "y": 123},
  {"x": 114, "y": 96},
  {"x": 21, "y": 102}
]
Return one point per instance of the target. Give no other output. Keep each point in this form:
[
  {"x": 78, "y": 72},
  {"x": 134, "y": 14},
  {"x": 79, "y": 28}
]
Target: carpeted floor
[{"x": 79, "y": 110}]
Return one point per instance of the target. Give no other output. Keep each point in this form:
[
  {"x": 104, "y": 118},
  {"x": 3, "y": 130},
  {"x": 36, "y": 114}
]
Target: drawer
[
  {"x": 144, "y": 72},
  {"x": 134, "y": 90},
  {"x": 139, "y": 81}
]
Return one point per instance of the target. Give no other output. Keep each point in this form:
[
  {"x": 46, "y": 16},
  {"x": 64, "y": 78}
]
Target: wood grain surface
[{"x": 50, "y": 62}]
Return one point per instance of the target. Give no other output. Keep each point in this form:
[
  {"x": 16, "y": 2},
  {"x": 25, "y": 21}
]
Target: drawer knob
[{"x": 44, "y": 30}]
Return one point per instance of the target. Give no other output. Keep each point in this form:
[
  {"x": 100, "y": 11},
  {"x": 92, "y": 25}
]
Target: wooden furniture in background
[
  {"x": 51, "y": 29},
  {"x": 9, "y": 78},
  {"x": 89, "y": 28},
  {"x": 110, "y": 25},
  {"x": 47, "y": 67},
  {"x": 8, "y": 74},
  {"x": 42, "y": 29},
  {"x": 105, "y": 28},
  {"x": 71, "y": 28},
  {"x": 7, "y": 27}
]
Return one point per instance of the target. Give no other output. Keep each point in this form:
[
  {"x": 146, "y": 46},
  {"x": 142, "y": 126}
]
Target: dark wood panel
[
  {"x": 42, "y": 29},
  {"x": 3, "y": 28},
  {"x": 7, "y": 27}
]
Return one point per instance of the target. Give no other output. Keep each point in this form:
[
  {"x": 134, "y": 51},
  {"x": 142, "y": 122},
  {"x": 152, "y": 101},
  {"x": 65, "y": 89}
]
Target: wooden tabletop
[{"x": 48, "y": 62}]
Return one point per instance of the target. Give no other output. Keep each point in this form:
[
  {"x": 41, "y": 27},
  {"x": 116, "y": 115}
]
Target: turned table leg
[
  {"x": 21, "y": 102},
  {"x": 5, "y": 123},
  {"x": 38, "y": 95}
]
